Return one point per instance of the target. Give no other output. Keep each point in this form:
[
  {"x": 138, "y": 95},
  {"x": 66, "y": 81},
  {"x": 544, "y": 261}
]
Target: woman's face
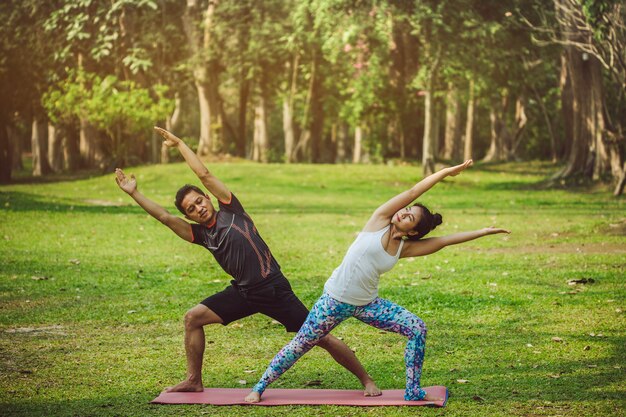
[{"x": 406, "y": 219}]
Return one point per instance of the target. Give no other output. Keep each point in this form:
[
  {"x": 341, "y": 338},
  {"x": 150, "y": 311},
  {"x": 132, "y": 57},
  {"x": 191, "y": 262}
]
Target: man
[{"x": 258, "y": 285}]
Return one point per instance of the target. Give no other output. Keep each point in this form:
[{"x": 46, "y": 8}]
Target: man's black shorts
[{"x": 274, "y": 299}]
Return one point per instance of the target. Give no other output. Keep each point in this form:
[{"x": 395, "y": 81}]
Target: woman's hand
[
  {"x": 128, "y": 185},
  {"x": 169, "y": 138},
  {"x": 494, "y": 230},
  {"x": 457, "y": 169}
]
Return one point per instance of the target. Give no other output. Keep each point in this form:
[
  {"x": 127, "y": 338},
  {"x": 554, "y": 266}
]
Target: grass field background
[{"x": 93, "y": 291}]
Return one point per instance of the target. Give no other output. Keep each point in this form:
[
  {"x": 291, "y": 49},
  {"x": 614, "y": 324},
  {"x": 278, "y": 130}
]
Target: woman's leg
[
  {"x": 325, "y": 315},
  {"x": 386, "y": 315}
]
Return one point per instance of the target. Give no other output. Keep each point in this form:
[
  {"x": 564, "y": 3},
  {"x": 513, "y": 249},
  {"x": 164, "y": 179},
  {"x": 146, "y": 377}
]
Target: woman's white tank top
[{"x": 355, "y": 281}]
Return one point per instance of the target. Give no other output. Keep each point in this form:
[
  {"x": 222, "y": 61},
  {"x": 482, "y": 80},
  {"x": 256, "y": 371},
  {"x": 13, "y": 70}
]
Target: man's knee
[
  {"x": 190, "y": 319},
  {"x": 200, "y": 316}
]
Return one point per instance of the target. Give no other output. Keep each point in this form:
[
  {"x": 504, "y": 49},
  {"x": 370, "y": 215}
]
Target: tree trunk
[
  {"x": 469, "y": 124},
  {"x": 5, "y": 151},
  {"x": 621, "y": 182},
  {"x": 436, "y": 128},
  {"x": 452, "y": 139},
  {"x": 288, "y": 103},
  {"x": 342, "y": 140},
  {"x": 71, "y": 148},
  {"x": 546, "y": 117},
  {"x": 55, "y": 149},
  {"x": 204, "y": 143},
  {"x": 567, "y": 108},
  {"x": 204, "y": 73},
  {"x": 494, "y": 125},
  {"x": 500, "y": 136},
  {"x": 603, "y": 160},
  {"x": 402, "y": 138},
  {"x": 430, "y": 114},
  {"x": 260, "y": 142},
  {"x": 39, "y": 147},
  {"x": 520, "y": 126},
  {"x": 428, "y": 158},
  {"x": 581, "y": 159},
  {"x": 398, "y": 69},
  {"x": 288, "y": 130},
  {"x": 244, "y": 92},
  {"x": 587, "y": 154},
  {"x": 302, "y": 146},
  {"x": 90, "y": 147},
  {"x": 358, "y": 140},
  {"x": 218, "y": 121},
  {"x": 16, "y": 147},
  {"x": 317, "y": 115},
  {"x": 171, "y": 123}
]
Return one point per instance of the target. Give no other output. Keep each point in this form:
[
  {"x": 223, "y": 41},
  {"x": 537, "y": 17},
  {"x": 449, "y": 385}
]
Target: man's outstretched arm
[
  {"x": 129, "y": 186},
  {"x": 210, "y": 181}
]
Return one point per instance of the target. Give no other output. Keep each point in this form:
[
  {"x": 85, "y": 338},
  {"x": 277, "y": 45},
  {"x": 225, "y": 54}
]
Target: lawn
[{"x": 93, "y": 291}]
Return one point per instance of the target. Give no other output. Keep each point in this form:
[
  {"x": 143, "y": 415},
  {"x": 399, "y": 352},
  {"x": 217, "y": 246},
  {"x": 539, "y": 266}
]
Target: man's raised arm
[
  {"x": 210, "y": 181},
  {"x": 129, "y": 186}
]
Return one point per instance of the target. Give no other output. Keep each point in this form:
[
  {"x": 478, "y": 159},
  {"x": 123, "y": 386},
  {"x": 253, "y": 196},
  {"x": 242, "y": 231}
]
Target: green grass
[{"x": 92, "y": 293}]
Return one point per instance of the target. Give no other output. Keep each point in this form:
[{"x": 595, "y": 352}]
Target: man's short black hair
[{"x": 182, "y": 192}]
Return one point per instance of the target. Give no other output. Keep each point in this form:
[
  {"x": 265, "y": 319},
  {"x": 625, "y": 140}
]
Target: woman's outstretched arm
[
  {"x": 433, "y": 244},
  {"x": 382, "y": 215}
]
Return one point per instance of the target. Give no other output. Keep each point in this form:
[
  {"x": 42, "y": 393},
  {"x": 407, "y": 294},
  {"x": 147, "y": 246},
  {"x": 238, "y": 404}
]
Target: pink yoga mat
[{"x": 235, "y": 396}]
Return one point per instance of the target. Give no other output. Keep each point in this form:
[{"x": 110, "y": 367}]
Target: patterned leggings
[{"x": 327, "y": 313}]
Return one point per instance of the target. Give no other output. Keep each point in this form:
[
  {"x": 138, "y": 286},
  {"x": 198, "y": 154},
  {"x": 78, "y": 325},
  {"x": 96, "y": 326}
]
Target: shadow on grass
[
  {"x": 21, "y": 202},
  {"x": 527, "y": 380},
  {"x": 25, "y": 202}
]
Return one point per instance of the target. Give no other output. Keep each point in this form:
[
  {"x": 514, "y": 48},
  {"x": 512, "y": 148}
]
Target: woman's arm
[
  {"x": 433, "y": 244},
  {"x": 382, "y": 215},
  {"x": 176, "y": 224},
  {"x": 211, "y": 182}
]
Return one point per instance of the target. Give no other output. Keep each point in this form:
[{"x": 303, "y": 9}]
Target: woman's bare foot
[
  {"x": 186, "y": 386},
  {"x": 371, "y": 390},
  {"x": 253, "y": 397},
  {"x": 432, "y": 397}
]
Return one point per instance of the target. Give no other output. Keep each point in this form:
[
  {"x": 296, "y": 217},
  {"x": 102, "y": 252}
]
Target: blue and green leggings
[{"x": 327, "y": 313}]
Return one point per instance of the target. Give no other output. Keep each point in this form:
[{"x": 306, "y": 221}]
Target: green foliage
[
  {"x": 371, "y": 59},
  {"x": 107, "y": 103}
]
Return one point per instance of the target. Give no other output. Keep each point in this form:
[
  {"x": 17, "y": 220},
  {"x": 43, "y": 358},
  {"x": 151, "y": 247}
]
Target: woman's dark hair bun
[{"x": 427, "y": 222}]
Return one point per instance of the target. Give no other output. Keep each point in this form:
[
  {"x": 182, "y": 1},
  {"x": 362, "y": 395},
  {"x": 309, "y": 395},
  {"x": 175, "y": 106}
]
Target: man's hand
[
  {"x": 128, "y": 185},
  {"x": 169, "y": 138},
  {"x": 494, "y": 230},
  {"x": 457, "y": 169}
]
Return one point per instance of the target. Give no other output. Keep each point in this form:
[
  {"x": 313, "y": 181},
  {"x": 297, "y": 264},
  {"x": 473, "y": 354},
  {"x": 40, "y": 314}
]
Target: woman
[{"x": 394, "y": 231}]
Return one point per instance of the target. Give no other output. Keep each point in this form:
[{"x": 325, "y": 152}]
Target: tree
[
  {"x": 593, "y": 37},
  {"x": 121, "y": 109}
]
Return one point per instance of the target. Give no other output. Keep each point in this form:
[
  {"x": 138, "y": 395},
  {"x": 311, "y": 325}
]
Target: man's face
[{"x": 198, "y": 207}]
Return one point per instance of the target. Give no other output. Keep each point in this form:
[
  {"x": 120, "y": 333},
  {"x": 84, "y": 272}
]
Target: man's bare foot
[
  {"x": 253, "y": 397},
  {"x": 371, "y": 390},
  {"x": 186, "y": 386}
]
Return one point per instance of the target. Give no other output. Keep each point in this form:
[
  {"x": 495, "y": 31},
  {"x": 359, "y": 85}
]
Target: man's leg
[
  {"x": 195, "y": 320},
  {"x": 344, "y": 356}
]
